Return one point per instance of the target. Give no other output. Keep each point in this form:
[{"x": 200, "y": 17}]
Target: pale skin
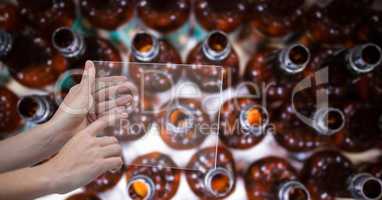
[{"x": 73, "y": 137}]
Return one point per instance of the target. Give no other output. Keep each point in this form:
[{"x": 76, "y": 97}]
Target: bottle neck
[
  {"x": 364, "y": 58},
  {"x": 365, "y": 186},
  {"x": 328, "y": 121},
  {"x": 294, "y": 58},
  {"x": 140, "y": 187},
  {"x": 145, "y": 47},
  {"x": 254, "y": 119},
  {"x": 179, "y": 120},
  {"x": 292, "y": 190},
  {"x": 217, "y": 46},
  {"x": 219, "y": 182},
  {"x": 36, "y": 109},
  {"x": 5, "y": 43},
  {"x": 69, "y": 43}
]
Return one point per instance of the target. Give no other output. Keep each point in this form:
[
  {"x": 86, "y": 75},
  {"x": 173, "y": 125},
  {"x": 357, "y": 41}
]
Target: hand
[{"x": 84, "y": 157}]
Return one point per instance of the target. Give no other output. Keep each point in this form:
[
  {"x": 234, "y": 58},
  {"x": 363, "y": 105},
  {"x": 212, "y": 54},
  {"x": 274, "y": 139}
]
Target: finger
[
  {"x": 88, "y": 78},
  {"x": 117, "y": 110},
  {"x": 114, "y": 150},
  {"x": 108, "y": 105},
  {"x": 101, "y": 123},
  {"x": 106, "y": 140},
  {"x": 114, "y": 91},
  {"x": 112, "y": 163}
]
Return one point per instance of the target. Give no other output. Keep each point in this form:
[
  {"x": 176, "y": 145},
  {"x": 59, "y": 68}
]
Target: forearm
[
  {"x": 30, "y": 147},
  {"x": 26, "y": 183}
]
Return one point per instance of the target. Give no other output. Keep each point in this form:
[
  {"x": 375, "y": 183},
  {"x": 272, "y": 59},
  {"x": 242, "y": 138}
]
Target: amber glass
[
  {"x": 78, "y": 49},
  {"x": 277, "y": 18},
  {"x": 108, "y": 14},
  {"x": 273, "y": 178},
  {"x": 371, "y": 28},
  {"x": 164, "y": 15},
  {"x": 149, "y": 177},
  {"x": 146, "y": 48},
  {"x": 84, "y": 196},
  {"x": 333, "y": 22},
  {"x": 372, "y": 167},
  {"x": 30, "y": 59},
  {"x": 214, "y": 50},
  {"x": 104, "y": 182},
  {"x": 36, "y": 108},
  {"x": 9, "y": 17},
  {"x": 279, "y": 70},
  {"x": 9, "y": 119},
  {"x": 242, "y": 123},
  {"x": 225, "y": 15},
  {"x": 181, "y": 122},
  {"x": 210, "y": 181},
  {"x": 47, "y": 15}
]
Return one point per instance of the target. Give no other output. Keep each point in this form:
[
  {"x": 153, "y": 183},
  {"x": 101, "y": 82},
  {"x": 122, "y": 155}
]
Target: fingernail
[{"x": 124, "y": 115}]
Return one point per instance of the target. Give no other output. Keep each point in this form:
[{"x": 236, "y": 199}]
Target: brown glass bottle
[
  {"x": 273, "y": 178},
  {"x": 47, "y": 15},
  {"x": 150, "y": 177},
  {"x": 333, "y": 22},
  {"x": 370, "y": 30},
  {"x": 9, "y": 17},
  {"x": 9, "y": 119},
  {"x": 104, "y": 182},
  {"x": 30, "y": 59},
  {"x": 372, "y": 167},
  {"x": 36, "y": 109},
  {"x": 330, "y": 175},
  {"x": 146, "y": 48},
  {"x": 84, "y": 196},
  {"x": 277, "y": 19},
  {"x": 224, "y": 15},
  {"x": 183, "y": 123},
  {"x": 209, "y": 179},
  {"x": 243, "y": 123},
  {"x": 78, "y": 49},
  {"x": 164, "y": 16},
  {"x": 107, "y": 15},
  {"x": 279, "y": 70},
  {"x": 214, "y": 50}
]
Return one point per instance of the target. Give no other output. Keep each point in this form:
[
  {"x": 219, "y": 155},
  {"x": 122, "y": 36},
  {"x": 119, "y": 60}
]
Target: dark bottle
[
  {"x": 36, "y": 109},
  {"x": 151, "y": 176},
  {"x": 30, "y": 59},
  {"x": 9, "y": 119},
  {"x": 146, "y": 48},
  {"x": 304, "y": 126},
  {"x": 164, "y": 16},
  {"x": 47, "y": 15},
  {"x": 183, "y": 124},
  {"x": 243, "y": 123},
  {"x": 9, "y": 17},
  {"x": 78, "y": 49},
  {"x": 104, "y": 182},
  {"x": 277, "y": 19},
  {"x": 222, "y": 15},
  {"x": 333, "y": 22},
  {"x": 84, "y": 196},
  {"x": 371, "y": 28},
  {"x": 279, "y": 70},
  {"x": 362, "y": 127},
  {"x": 213, "y": 173},
  {"x": 107, "y": 15},
  {"x": 273, "y": 178},
  {"x": 330, "y": 175},
  {"x": 373, "y": 168},
  {"x": 215, "y": 50}
]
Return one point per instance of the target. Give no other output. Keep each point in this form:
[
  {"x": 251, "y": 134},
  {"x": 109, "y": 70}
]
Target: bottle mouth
[
  {"x": 5, "y": 43},
  {"x": 219, "y": 182},
  {"x": 365, "y": 186},
  {"x": 69, "y": 43},
  {"x": 294, "y": 58},
  {"x": 144, "y": 46},
  {"x": 179, "y": 119},
  {"x": 365, "y": 58},
  {"x": 254, "y": 119},
  {"x": 217, "y": 46},
  {"x": 140, "y": 188},
  {"x": 293, "y": 190},
  {"x": 32, "y": 108},
  {"x": 328, "y": 121}
]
